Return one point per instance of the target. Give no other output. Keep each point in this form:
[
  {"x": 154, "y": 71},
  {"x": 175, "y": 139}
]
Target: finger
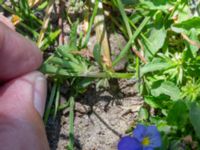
[
  {"x": 7, "y": 22},
  {"x": 24, "y": 94},
  {"x": 17, "y": 54},
  {"x": 22, "y": 102}
]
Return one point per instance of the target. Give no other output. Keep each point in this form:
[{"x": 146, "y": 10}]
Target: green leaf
[
  {"x": 178, "y": 114},
  {"x": 193, "y": 36},
  {"x": 143, "y": 114},
  {"x": 152, "y": 102},
  {"x": 187, "y": 25},
  {"x": 157, "y": 38},
  {"x": 81, "y": 84},
  {"x": 97, "y": 53},
  {"x": 158, "y": 102},
  {"x": 129, "y": 2},
  {"x": 194, "y": 117},
  {"x": 156, "y": 65},
  {"x": 155, "y": 4},
  {"x": 73, "y": 35},
  {"x": 167, "y": 88},
  {"x": 50, "y": 39},
  {"x": 69, "y": 65}
]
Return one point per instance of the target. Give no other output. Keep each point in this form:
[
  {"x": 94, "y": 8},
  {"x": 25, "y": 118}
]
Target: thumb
[
  {"x": 22, "y": 102},
  {"x": 23, "y": 94}
]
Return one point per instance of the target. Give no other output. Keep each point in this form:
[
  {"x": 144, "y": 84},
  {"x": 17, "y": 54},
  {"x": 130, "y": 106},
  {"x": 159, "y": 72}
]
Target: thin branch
[
  {"x": 194, "y": 43},
  {"x": 137, "y": 53}
]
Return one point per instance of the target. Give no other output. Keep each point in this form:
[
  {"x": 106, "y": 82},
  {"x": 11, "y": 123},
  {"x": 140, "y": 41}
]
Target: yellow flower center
[{"x": 145, "y": 141}]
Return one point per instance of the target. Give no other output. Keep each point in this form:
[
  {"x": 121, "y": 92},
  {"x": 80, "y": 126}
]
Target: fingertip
[
  {"x": 7, "y": 22},
  {"x": 18, "y": 54},
  {"x": 25, "y": 95}
]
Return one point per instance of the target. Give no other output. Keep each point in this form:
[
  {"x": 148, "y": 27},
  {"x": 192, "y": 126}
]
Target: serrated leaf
[
  {"x": 167, "y": 88},
  {"x": 178, "y": 114},
  {"x": 194, "y": 118}
]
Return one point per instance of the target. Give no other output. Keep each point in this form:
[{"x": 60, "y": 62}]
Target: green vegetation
[{"x": 162, "y": 53}]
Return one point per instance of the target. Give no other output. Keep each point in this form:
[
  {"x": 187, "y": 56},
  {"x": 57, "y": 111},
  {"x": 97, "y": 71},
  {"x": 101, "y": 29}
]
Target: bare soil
[{"x": 101, "y": 118}]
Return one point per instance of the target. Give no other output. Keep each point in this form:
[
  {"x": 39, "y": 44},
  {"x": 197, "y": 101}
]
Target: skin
[{"x": 22, "y": 92}]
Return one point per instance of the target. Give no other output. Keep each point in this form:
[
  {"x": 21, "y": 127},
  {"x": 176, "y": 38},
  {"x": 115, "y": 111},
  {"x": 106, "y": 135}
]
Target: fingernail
[{"x": 40, "y": 91}]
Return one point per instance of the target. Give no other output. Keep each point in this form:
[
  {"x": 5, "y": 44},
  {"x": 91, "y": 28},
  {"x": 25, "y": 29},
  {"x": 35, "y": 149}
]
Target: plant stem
[
  {"x": 53, "y": 70},
  {"x": 71, "y": 123}
]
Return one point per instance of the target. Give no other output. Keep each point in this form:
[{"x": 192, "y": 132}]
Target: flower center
[{"x": 145, "y": 141}]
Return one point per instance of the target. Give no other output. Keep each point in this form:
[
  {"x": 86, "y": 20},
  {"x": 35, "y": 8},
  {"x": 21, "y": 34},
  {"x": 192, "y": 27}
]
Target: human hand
[{"x": 22, "y": 93}]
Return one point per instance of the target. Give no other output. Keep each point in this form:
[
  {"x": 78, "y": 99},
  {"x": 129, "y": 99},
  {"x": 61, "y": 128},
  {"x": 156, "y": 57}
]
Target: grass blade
[
  {"x": 131, "y": 41},
  {"x": 57, "y": 98},
  {"x": 50, "y": 102},
  {"x": 90, "y": 24}
]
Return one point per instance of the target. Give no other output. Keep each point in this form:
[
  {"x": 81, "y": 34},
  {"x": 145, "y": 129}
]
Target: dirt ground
[{"x": 101, "y": 118}]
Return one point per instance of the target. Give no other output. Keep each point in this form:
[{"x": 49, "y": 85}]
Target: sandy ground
[{"x": 101, "y": 118}]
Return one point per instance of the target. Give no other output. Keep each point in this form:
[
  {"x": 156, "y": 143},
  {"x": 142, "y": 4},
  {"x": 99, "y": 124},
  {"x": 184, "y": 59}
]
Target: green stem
[
  {"x": 71, "y": 123},
  {"x": 35, "y": 34},
  {"x": 53, "y": 70},
  {"x": 50, "y": 102},
  {"x": 57, "y": 99},
  {"x": 138, "y": 73}
]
